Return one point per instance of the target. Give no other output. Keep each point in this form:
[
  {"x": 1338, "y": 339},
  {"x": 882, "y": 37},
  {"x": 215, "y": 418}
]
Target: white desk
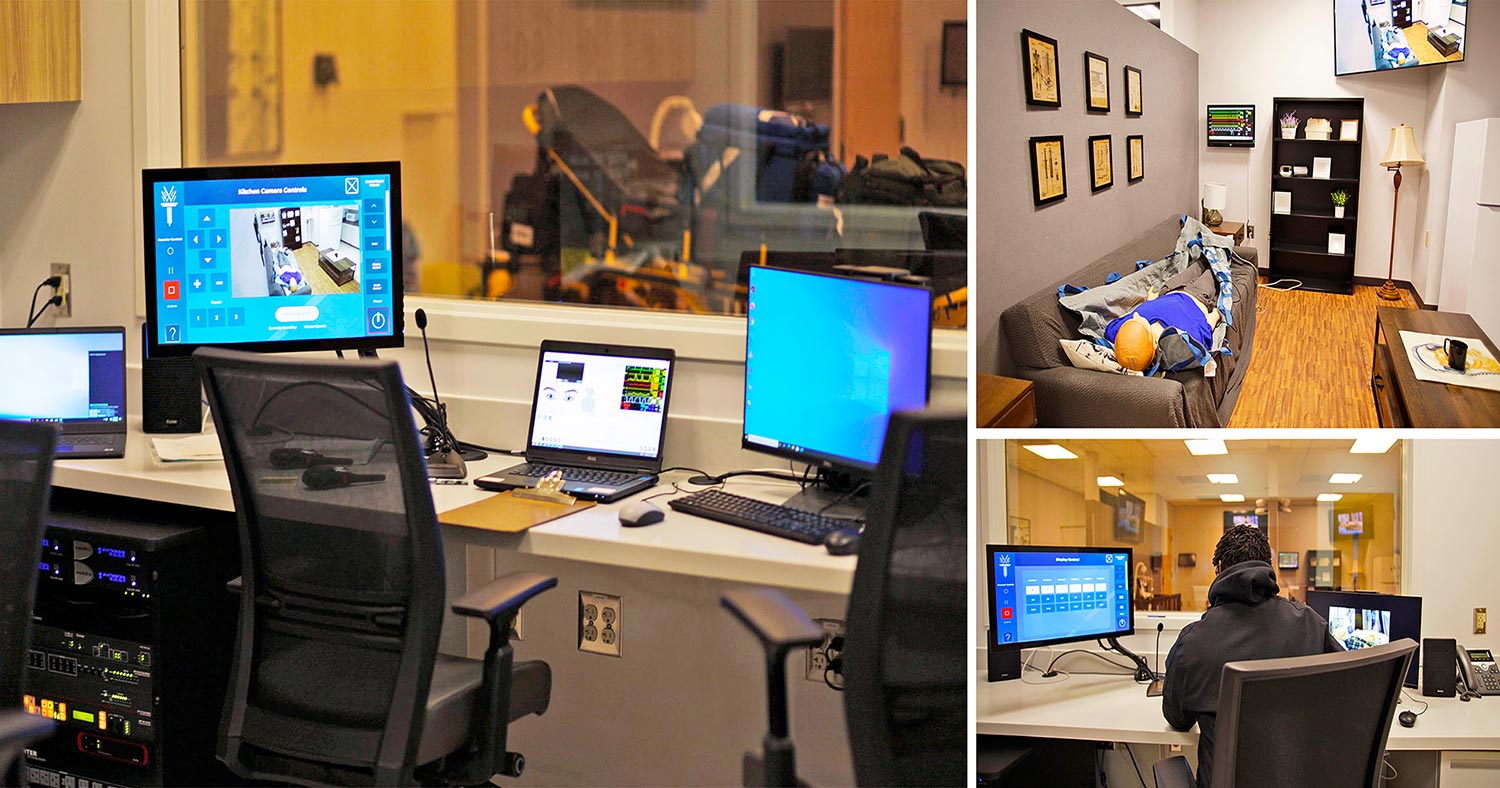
[
  {"x": 681, "y": 544},
  {"x": 1114, "y": 708}
]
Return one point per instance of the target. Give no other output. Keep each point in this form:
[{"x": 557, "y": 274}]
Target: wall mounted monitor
[
  {"x": 1231, "y": 125},
  {"x": 273, "y": 258},
  {"x": 1384, "y": 35},
  {"x": 1129, "y": 514},
  {"x": 1359, "y": 619},
  {"x": 1287, "y": 560},
  {"x": 1231, "y": 519},
  {"x": 1350, "y": 522},
  {"x": 1045, "y": 595},
  {"x": 828, "y": 359}
]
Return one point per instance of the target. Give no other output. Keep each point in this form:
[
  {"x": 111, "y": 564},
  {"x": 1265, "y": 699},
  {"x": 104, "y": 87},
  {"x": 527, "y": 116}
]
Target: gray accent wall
[{"x": 1020, "y": 247}]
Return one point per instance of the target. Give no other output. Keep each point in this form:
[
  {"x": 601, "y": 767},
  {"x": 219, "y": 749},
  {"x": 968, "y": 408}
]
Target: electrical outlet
[
  {"x": 1481, "y": 620},
  {"x": 64, "y": 270},
  {"x": 1428, "y": 240},
  {"x": 1249, "y": 231},
  {"x": 820, "y": 656},
  {"x": 599, "y": 623}
]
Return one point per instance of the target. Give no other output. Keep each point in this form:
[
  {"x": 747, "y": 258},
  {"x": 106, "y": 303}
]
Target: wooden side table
[
  {"x": 1403, "y": 401},
  {"x": 1235, "y": 230},
  {"x": 1004, "y": 402}
]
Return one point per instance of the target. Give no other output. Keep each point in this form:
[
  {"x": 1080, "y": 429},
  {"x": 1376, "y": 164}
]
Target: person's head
[
  {"x": 1241, "y": 543},
  {"x": 1135, "y": 348}
]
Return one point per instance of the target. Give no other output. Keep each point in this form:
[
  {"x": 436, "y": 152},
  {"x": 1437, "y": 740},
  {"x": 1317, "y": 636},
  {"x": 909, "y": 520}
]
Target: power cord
[
  {"x": 1137, "y": 766},
  {"x": 1049, "y": 673},
  {"x": 53, "y": 282},
  {"x": 53, "y": 301}
]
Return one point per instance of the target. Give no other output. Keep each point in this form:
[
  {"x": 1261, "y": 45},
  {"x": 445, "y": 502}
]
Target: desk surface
[
  {"x": 1115, "y": 708},
  {"x": 681, "y": 544}
]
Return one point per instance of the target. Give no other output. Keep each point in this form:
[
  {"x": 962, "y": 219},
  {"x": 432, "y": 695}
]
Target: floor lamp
[{"x": 1401, "y": 153}]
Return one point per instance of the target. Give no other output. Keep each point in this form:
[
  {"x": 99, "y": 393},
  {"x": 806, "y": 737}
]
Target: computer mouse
[
  {"x": 844, "y": 541},
  {"x": 1407, "y": 718},
  {"x": 638, "y": 513}
]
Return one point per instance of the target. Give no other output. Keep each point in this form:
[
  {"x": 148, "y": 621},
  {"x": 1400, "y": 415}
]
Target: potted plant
[
  {"x": 1289, "y": 126},
  {"x": 1340, "y": 199}
]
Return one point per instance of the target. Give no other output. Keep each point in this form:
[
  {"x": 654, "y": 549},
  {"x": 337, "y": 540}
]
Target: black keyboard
[
  {"x": 585, "y": 475},
  {"x": 768, "y": 518}
]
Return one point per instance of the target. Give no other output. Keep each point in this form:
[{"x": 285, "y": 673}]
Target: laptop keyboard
[
  {"x": 584, "y": 475},
  {"x": 72, "y": 444}
]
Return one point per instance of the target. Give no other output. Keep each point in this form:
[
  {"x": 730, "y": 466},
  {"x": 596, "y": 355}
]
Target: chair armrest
[
  {"x": 774, "y": 618},
  {"x": 1173, "y": 772},
  {"x": 1072, "y": 397},
  {"x": 502, "y": 597}
]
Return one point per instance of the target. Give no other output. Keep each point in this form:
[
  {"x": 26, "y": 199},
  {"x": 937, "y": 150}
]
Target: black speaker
[
  {"x": 1004, "y": 662},
  {"x": 1439, "y": 667},
  {"x": 171, "y": 395}
]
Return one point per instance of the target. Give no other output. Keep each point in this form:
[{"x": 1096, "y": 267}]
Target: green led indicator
[{"x": 83, "y": 716}]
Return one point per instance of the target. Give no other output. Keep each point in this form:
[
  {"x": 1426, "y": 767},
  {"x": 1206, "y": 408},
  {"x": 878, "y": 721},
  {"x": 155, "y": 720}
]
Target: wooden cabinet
[{"x": 39, "y": 51}]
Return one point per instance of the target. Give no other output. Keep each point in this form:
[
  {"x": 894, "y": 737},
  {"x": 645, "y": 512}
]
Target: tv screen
[
  {"x": 1349, "y": 522},
  {"x": 1231, "y": 125},
  {"x": 1231, "y": 519},
  {"x": 1286, "y": 560},
  {"x": 1129, "y": 513},
  {"x": 1379, "y": 35},
  {"x": 1363, "y": 619}
]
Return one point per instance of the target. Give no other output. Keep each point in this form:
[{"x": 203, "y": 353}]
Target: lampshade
[
  {"x": 1403, "y": 150},
  {"x": 1214, "y": 195}
]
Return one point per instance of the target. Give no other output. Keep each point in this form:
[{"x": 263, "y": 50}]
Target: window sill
[{"x": 713, "y": 338}]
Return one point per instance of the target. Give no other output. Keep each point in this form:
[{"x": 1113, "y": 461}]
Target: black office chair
[
  {"x": 337, "y": 679},
  {"x": 904, "y": 662},
  {"x": 26, "y": 453},
  {"x": 1302, "y": 722},
  {"x": 944, "y": 231}
]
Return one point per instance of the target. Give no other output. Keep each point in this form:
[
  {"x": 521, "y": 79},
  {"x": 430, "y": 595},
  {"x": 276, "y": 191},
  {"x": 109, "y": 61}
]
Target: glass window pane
[{"x": 610, "y": 152}]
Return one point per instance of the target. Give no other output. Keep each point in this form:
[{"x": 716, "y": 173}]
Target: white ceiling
[{"x": 1266, "y": 468}]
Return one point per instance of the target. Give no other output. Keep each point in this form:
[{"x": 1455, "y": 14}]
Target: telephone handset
[{"x": 1477, "y": 671}]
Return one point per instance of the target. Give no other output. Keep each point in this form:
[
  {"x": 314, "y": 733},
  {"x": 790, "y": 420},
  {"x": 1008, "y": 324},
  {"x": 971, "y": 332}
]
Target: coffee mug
[
  {"x": 1286, "y": 170},
  {"x": 1458, "y": 354}
]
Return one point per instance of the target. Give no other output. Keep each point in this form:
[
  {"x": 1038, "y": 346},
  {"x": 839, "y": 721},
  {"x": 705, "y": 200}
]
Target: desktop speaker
[
  {"x": 171, "y": 395},
  {"x": 1439, "y": 667},
  {"x": 1004, "y": 663}
]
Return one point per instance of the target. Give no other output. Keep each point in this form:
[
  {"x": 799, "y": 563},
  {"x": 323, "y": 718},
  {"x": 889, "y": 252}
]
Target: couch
[{"x": 1070, "y": 397}]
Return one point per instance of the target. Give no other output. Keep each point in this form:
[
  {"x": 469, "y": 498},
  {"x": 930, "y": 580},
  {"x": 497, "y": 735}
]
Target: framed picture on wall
[
  {"x": 1101, "y": 161},
  {"x": 1133, "y": 103},
  {"x": 1096, "y": 81},
  {"x": 1049, "y": 181},
  {"x": 955, "y": 54},
  {"x": 1039, "y": 64},
  {"x": 1135, "y": 156}
]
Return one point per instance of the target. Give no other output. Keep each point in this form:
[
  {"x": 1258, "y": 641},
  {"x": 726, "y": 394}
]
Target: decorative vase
[
  {"x": 1338, "y": 211},
  {"x": 1289, "y": 132}
]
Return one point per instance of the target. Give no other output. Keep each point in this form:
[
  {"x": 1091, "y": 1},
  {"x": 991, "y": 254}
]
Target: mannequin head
[{"x": 1134, "y": 347}]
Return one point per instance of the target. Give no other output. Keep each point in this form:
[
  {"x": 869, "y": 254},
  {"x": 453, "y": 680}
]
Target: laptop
[
  {"x": 71, "y": 377},
  {"x": 599, "y": 414}
]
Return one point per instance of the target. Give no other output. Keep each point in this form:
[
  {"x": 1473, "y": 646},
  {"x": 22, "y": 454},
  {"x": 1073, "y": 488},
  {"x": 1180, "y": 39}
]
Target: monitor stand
[{"x": 830, "y": 501}]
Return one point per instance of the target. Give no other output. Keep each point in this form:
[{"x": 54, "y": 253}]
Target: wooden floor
[
  {"x": 1424, "y": 52},
  {"x": 1310, "y": 366}
]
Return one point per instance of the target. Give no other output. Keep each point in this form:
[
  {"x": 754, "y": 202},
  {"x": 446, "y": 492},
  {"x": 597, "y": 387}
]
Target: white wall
[
  {"x": 1449, "y": 524},
  {"x": 1298, "y": 64},
  {"x": 1179, "y": 19}
]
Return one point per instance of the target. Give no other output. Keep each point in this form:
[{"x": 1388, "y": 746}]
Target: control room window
[
  {"x": 626, "y": 153},
  {"x": 1331, "y": 514}
]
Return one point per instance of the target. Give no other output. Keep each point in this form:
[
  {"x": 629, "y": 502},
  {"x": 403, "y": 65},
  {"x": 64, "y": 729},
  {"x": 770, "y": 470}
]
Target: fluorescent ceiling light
[
  {"x": 1109, "y": 481},
  {"x": 1345, "y": 478},
  {"x": 1050, "y": 451},
  {"x": 1223, "y": 478},
  {"x": 1232, "y": 498},
  {"x": 1373, "y": 445},
  {"x": 1199, "y": 447},
  {"x": 1330, "y": 497}
]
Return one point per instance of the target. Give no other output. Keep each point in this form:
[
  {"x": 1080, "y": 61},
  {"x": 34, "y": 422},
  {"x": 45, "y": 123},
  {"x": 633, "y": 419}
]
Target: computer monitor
[
  {"x": 273, "y": 258},
  {"x": 76, "y": 376},
  {"x": 1360, "y": 619},
  {"x": 828, "y": 359},
  {"x": 1041, "y": 596}
]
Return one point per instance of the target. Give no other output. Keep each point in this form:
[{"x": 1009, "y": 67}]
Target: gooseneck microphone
[
  {"x": 1156, "y": 685},
  {"x": 427, "y": 353},
  {"x": 323, "y": 477}
]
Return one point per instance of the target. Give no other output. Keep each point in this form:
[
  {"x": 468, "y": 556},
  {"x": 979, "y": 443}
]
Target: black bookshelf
[{"x": 1299, "y": 240}]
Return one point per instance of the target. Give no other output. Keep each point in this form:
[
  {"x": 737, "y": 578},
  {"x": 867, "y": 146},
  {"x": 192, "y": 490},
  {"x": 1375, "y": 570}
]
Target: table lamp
[
  {"x": 1401, "y": 153},
  {"x": 1214, "y": 195}
]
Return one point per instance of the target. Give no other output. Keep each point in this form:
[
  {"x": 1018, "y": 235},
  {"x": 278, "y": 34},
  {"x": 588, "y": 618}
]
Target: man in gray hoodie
[{"x": 1245, "y": 620}]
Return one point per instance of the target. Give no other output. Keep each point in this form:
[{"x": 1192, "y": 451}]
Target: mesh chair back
[
  {"x": 1325, "y": 717},
  {"x": 343, "y": 587},
  {"x": 26, "y": 452},
  {"x": 904, "y": 664}
]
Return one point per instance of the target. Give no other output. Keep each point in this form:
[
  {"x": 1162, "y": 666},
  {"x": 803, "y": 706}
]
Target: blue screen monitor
[
  {"x": 828, "y": 359},
  {"x": 1361, "y": 619},
  {"x": 273, "y": 258},
  {"x": 1040, "y": 596}
]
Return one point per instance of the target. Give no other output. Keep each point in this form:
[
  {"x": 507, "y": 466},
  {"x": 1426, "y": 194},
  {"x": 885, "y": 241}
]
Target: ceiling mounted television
[{"x": 1381, "y": 35}]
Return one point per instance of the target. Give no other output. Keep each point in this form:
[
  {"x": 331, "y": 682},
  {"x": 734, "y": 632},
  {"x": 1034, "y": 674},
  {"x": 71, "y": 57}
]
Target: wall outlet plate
[
  {"x": 599, "y": 623},
  {"x": 64, "y": 270},
  {"x": 820, "y": 655},
  {"x": 1481, "y": 620}
]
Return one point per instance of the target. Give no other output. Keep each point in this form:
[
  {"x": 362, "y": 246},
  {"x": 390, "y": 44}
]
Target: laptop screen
[
  {"x": 65, "y": 377},
  {"x": 610, "y": 404}
]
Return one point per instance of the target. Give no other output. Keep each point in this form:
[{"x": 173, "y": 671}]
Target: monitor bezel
[
  {"x": 152, "y": 176},
  {"x": 87, "y": 427},
  {"x": 1328, "y": 598},
  {"x": 1209, "y": 140},
  {"x": 989, "y": 592},
  {"x": 1334, "y": 18},
  {"x": 824, "y": 459}
]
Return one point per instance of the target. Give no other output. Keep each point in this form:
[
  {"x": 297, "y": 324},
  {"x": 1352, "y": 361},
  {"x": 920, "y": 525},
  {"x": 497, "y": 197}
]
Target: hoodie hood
[{"x": 1248, "y": 582}]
